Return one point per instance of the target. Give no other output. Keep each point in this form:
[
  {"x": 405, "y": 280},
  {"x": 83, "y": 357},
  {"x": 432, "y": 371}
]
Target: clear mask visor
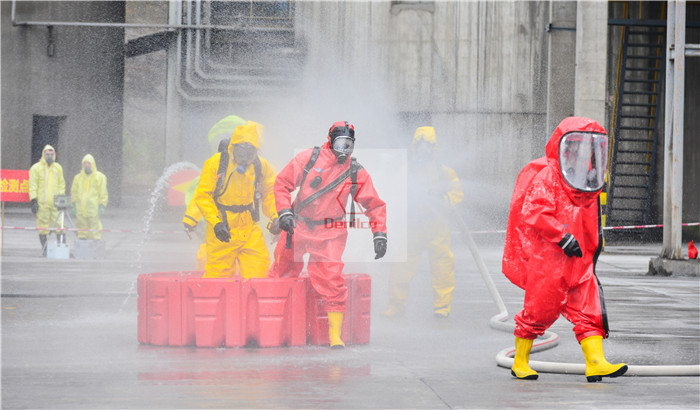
[
  {"x": 583, "y": 158},
  {"x": 343, "y": 145}
]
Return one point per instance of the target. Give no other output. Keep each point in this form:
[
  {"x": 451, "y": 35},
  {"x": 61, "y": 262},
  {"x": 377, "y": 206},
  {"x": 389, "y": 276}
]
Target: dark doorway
[{"x": 45, "y": 130}]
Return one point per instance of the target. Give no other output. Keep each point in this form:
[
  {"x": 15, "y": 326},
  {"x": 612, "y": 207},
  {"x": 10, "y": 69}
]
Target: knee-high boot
[
  {"x": 335, "y": 324},
  {"x": 596, "y": 365},
  {"x": 42, "y": 239},
  {"x": 521, "y": 366}
]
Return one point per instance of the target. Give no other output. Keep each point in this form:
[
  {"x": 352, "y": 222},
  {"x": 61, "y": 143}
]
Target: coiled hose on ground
[{"x": 504, "y": 358}]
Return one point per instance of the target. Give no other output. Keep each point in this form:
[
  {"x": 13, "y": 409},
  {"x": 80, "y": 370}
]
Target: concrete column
[
  {"x": 591, "y": 59},
  {"x": 562, "y": 59}
]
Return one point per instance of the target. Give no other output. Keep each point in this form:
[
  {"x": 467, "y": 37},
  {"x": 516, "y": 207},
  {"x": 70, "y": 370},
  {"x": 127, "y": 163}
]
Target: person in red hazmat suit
[
  {"x": 553, "y": 240},
  {"x": 233, "y": 186},
  {"x": 315, "y": 223},
  {"x": 433, "y": 192}
]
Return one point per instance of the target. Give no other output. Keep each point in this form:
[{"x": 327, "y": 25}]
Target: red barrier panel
[
  {"x": 212, "y": 312},
  {"x": 184, "y": 309},
  {"x": 275, "y": 312},
  {"x": 159, "y": 307},
  {"x": 356, "y": 320}
]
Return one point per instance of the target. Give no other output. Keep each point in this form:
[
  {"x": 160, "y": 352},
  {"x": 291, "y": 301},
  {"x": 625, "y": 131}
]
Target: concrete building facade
[{"x": 493, "y": 77}]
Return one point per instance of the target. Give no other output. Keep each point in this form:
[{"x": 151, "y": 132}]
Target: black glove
[
  {"x": 274, "y": 226},
  {"x": 379, "y": 244},
  {"x": 222, "y": 233},
  {"x": 570, "y": 246},
  {"x": 287, "y": 221},
  {"x": 188, "y": 227},
  {"x": 35, "y": 206}
]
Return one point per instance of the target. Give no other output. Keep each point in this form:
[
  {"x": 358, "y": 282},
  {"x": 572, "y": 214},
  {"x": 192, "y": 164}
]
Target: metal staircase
[{"x": 636, "y": 125}]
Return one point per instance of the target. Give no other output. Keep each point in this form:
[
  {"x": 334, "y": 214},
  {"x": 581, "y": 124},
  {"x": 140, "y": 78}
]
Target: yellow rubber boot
[
  {"x": 596, "y": 365},
  {"x": 521, "y": 363},
  {"x": 335, "y": 324}
]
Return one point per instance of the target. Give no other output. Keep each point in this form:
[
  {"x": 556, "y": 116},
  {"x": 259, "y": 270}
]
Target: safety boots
[
  {"x": 393, "y": 311},
  {"x": 521, "y": 367},
  {"x": 335, "y": 324},
  {"x": 596, "y": 365}
]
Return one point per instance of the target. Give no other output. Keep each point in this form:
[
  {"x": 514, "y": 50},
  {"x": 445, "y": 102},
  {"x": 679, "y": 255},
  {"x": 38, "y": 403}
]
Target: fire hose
[{"x": 504, "y": 358}]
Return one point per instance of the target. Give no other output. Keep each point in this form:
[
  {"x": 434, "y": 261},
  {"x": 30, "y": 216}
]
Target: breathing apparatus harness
[
  {"x": 254, "y": 207},
  {"x": 298, "y": 204}
]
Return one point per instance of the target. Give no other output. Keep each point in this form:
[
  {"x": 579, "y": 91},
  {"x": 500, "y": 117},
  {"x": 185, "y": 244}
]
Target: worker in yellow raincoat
[
  {"x": 89, "y": 196},
  {"x": 433, "y": 191},
  {"x": 234, "y": 185},
  {"x": 45, "y": 181},
  {"x": 218, "y": 137}
]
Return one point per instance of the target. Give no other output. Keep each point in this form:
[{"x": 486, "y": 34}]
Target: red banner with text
[{"x": 15, "y": 185}]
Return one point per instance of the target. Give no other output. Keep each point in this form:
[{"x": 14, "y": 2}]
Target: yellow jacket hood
[
  {"x": 246, "y": 133},
  {"x": 91, "y": 160},
  {"x": 47, "y": 147}
]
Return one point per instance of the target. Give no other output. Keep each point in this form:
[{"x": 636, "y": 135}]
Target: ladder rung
[
  {"x": 644, "y": 45},
  {"x": 637, "y": 116},
  {"x": 637, "y": 105},
  {"x": 630, "y": 186},
  {"x": 633, "y": 151},
  {"x": 628, "y": 209},
  {"x": 629, "y": 80},
  {"x": 632, "y": 163},
  {"x": 640, "y": 92},
  {"x": 631, "y": 33},
  {"x": 641, "y": 69},
  {"x": 644, "y": 57},
  {"x": 624, "y": 174},
  {"x": 634, "y": 140},
  {"x": 628, "y": 197},
  {"x": 636, "y": 128}
]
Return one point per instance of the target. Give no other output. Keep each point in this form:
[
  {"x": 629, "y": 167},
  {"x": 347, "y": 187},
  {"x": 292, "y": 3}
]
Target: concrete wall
[
  {"x": 475, "y": 70},
  {"x": 82, "y": 81}
]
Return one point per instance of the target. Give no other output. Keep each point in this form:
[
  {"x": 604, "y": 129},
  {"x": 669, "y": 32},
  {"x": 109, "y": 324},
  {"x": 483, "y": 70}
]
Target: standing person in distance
[
  {"x": 45, "y": 181},
  {"x": 89, "y": 197}
]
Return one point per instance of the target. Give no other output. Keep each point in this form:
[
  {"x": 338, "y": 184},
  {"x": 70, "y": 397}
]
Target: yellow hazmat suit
[
  {"x": 45, "y": 181},
  {"x": 433, "y": 189},
  {"x": 223, "y": 129},
  {"x": 89, "y": 196},
  {"x": 246, "y": 251}
]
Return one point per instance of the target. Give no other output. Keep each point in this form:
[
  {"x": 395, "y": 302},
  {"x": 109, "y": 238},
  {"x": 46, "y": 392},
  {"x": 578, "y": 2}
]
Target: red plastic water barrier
[
  {"x": 160, "y": 308},
  {"x": 356, "y": 320},
  {"x": 184, "y": 309}
]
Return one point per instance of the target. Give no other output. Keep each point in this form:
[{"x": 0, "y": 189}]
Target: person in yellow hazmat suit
[
  {"x": 433, "y": 189},
  {"x": 89, "y": 197},
  {"x": 232, "y": 189},
  {"x": 45, "y": 181},
  {"x": 221, "y": 132}
]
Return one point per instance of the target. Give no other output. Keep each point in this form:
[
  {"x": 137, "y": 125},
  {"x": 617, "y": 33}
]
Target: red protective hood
[{"x": 571, "y": 124}]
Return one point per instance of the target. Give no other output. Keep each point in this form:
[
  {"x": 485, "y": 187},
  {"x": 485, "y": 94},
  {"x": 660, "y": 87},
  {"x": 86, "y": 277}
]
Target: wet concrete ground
[{"x": 69, "y": 338}]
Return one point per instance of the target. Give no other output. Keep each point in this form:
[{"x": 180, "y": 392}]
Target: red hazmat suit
[
  {"x": 320, "y": 229},
  {"x": 544, "y": 207}
]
